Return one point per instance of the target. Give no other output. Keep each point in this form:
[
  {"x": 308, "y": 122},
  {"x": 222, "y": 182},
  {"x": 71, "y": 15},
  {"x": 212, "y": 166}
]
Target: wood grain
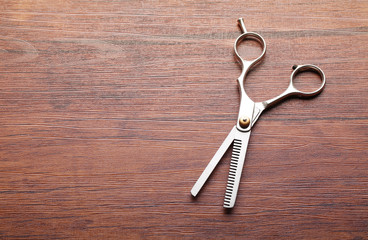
[{"x": 110, "y": 110}]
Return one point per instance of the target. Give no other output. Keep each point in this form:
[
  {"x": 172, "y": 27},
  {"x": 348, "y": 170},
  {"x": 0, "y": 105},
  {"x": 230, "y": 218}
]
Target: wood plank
[{"x": 110, "y": 110}]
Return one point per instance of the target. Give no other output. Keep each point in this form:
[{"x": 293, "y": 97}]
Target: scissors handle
[
  {"x": 293, "y": 91},
  {"x": 248, "y": 64},
  {"x": 246, "y": 104}
]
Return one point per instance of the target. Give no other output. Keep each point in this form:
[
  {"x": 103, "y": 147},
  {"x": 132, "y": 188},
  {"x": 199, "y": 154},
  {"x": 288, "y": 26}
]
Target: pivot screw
[{"x": 244, "y": 121}]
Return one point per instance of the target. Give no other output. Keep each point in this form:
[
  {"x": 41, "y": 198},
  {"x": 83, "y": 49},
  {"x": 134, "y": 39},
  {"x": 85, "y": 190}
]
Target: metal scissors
[{"x": 249, "y": 113}]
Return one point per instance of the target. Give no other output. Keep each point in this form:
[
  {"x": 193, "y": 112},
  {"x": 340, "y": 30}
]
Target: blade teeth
[{"x": 232, "y": 172}]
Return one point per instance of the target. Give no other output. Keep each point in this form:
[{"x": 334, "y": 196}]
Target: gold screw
[{"x": 244, "y": 121}]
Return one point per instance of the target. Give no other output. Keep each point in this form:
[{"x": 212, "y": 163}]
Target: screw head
[{"x": 244, "y": 121}]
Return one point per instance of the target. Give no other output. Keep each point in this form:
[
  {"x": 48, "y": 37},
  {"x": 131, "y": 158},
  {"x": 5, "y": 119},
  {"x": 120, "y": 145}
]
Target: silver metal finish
[
  {"x": 246, "y": 104},
  {"x": 292, "y": 91},
  {"x": 249, "y": 110},
  {"x": 236, "y": 167},
  {"x": 213, "y": 163}
]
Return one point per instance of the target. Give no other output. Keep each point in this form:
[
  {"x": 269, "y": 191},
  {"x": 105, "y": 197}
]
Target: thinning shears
[{"x": 249, "y": 113}]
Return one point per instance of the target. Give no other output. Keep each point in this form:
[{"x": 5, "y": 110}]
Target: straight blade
[{"x": 213, "y": 163}]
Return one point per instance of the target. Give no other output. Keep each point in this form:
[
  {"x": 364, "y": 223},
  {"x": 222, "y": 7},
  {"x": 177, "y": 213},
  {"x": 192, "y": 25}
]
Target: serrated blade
[{"x": 240, "y": 145}]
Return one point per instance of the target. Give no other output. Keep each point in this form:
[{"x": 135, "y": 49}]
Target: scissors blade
[
  {"x": 236, "y": 167},
  {"x": 213, "y": 163}
]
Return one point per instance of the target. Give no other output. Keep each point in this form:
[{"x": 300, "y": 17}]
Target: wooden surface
[{"x": 110, "y": 110}]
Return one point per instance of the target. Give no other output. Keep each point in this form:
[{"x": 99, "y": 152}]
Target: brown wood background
[{"x": 110, "y": 110}]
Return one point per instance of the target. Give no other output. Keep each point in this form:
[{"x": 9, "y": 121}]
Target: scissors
[{"x": 249, "y": 113}]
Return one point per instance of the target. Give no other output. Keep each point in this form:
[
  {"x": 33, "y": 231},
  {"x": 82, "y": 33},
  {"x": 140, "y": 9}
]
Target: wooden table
[{"x": 110, "y": 110}]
